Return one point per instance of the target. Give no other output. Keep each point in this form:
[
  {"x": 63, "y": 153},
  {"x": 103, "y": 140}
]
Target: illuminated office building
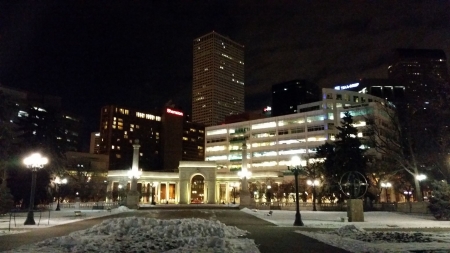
[
  {"x": 165, "y": 138},
  {"x": 218, "y": 79},
  {"x": 423, "y": 72},
  {"x": 271, "y": 142}
]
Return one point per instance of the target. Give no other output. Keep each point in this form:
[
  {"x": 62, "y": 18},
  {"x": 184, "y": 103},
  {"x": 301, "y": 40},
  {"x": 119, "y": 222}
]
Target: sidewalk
[{"x": 15, "y": 221}]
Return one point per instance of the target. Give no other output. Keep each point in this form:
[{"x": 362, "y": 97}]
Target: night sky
[{"x": 139, "y": 53}]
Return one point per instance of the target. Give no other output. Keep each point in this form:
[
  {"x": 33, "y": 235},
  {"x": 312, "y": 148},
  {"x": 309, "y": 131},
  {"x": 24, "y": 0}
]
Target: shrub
[{"x": 440, "y": 201}]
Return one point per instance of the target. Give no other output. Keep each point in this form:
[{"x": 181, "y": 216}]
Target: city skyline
[{"x": 93, "y": 55}]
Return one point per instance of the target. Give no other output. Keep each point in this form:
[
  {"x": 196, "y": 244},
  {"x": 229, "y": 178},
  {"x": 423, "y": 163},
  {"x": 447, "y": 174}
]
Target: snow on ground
[
  {"x": 136, "y": 234},
  {"x": 357, "y": 237},
  {"x": 197, "y": 235}
]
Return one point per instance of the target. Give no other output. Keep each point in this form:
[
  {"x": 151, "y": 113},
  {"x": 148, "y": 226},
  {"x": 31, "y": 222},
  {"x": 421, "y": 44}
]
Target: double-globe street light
[
  {"x": 313, "y": 183},
  {"x": 59, "y": 182},
  {"x": 296, "y": 167},
  {"x": 34, "y": 162}
]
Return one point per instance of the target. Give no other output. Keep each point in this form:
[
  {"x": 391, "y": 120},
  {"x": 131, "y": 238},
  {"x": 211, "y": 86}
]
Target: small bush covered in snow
[{"x": 440, "y": 201}]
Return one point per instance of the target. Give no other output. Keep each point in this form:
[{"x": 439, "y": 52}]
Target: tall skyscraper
[
  {"x": 218, "y": 79},
  {"x": 423, "y": 72}
]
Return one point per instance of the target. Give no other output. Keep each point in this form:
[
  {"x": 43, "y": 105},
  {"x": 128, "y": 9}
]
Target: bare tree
[{"x": 393, "y": 144}]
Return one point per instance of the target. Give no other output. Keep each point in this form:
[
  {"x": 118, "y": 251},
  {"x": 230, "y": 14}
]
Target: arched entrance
[{"x": 198, "y": 189}]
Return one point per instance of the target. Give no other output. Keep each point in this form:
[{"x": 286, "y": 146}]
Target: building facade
[
  {"x": 423, "y": 72},
  {"x": 267, "y": 143},
  {"x": 218, "y": 79},
  {"x": 44, "y": 107},
  {"x": 273, "y": 141},
  {"x": 165, "y": 137},
  {"x": 287, "y": 96}
]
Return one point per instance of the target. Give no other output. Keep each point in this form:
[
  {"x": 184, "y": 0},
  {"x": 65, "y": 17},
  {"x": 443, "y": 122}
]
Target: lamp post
[
  {"x": 233, "y": 188},
  {"x": 296, "y": 167},
  {"x": 59, "y": 182},
  {"x": 35, "y": 162},
  {"x": 408, "y": 194},
  {"x": 120, "y": 193},
  {"x": 313, "y": 183},
  {"x": 269, "y": 194},
  {"x": 386, "y": 186},
  {"x": 154, "y": 184},
  {"x": 420, "y": 178}
]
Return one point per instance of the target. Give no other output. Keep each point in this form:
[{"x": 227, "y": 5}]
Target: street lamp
[
  {"x": 386, "y": 186},
  {"x": 420, "y": 178},
  {"x": 120, "y": 193},
  {"x": 313, "y": 184},
  {"x": 59, "y": 182},
  {"x": 408, "y": 194},
  {"x": 154, "y": 184},
  {"x": 296, "y": 167},
  {"x": 35, "y": 162},
  {"x": 233, "y": 186}
]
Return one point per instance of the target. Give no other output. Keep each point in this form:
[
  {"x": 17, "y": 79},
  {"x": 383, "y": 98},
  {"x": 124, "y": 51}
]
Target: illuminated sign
[
  {"x": 348, "y": 86},
  {"x": 174, "y": 112}
]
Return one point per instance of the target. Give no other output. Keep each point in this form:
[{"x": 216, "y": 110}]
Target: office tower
[
  {"x": 383, "y": 88},
  {"x": 41, "y": 108},
  {"x": 218, "y": 79},
  {"x": 287, "y": 96},
  {"x": 423, "y": 72},
  {"x": 165, "y": 137}
]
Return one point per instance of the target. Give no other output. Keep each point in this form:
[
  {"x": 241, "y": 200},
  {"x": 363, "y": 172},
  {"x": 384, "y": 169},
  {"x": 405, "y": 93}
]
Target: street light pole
[
  {"x": 313, "y": 184},
  {"x": 296, "y": 168},
  {"x": 58, "y": 182},
  {"x": 35, "y": 162},
  {"x": 420, "y": 178}
]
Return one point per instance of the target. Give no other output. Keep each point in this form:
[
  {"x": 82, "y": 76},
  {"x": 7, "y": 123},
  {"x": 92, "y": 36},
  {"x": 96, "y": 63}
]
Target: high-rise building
[
  {"x": 165, "y": 138},
  {"x": 287, "y": 96},
  {"x": 42, "y": 108},
  {"x": 423, "y": 72},
  {"x": 218, "y": 79}
]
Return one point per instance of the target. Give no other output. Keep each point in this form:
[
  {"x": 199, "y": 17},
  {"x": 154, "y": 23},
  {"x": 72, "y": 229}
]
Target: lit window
[
  {"x": 112, "y": 147},
  {"x": 118, "y": 156},
  {"x": 185, "y": 138},
  {"x": 141, "y": 154}
]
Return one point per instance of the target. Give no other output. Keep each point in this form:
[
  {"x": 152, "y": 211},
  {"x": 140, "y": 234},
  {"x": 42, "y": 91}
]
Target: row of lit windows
[
  {"x": 148, "y": 116},
  {"x": 238, "y": 156}
]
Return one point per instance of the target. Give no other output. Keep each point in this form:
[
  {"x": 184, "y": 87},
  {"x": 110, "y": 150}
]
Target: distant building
[
  {"x": 422, "y": 72},
  {"x": 165, "y": 138},
  {"x": 287, "y": 96},
  {"x": 70, "y": 124},
  {"x": 382, "y": 88},
  {"x": 244, "y": 117},
  {"x": 218, "y": 79},
  {"x": 94, "y": 147}
]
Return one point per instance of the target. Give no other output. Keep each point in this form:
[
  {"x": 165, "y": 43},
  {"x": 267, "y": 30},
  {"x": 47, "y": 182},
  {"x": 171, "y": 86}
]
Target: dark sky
[{"x": 139, "y": 53}]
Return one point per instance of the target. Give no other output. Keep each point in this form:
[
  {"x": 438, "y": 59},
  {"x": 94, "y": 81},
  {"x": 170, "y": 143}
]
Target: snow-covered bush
[{"x": 440, "y": 201}]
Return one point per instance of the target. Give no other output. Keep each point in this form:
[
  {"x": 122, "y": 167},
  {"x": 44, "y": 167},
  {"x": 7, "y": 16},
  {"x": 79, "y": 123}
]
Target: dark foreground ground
[{"x": 268, "y": 237}]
